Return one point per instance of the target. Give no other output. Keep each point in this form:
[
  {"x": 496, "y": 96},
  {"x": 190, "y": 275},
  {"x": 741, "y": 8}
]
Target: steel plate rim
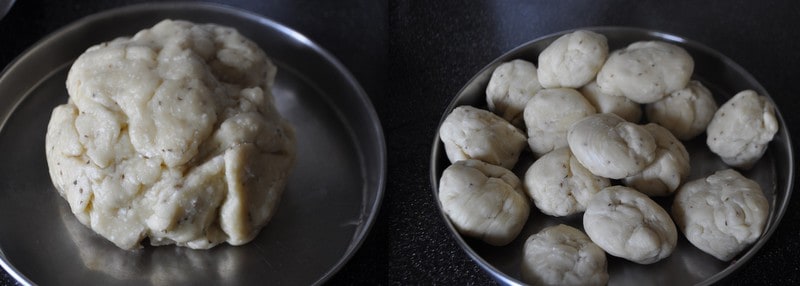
[
  {"x": 360, "y": 94},
  {"x": 508, "y": 280}
]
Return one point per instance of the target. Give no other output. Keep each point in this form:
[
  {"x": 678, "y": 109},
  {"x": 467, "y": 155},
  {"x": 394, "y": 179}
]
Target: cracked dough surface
[
  {"x": 721, "y": 214},
  {"x": 563, "y": 255},
  {"x": 171, "y": 135}
]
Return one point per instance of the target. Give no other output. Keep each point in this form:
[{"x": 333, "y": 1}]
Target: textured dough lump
[
  {"x": 741, "y": 129},
  {"x": 171, "y": 135},
  {"x": 572, "y": 60},
  {"x": 511, "y": 86},
  {"x": 472, "y": 133},
  {"x": 563, "y": 255}
]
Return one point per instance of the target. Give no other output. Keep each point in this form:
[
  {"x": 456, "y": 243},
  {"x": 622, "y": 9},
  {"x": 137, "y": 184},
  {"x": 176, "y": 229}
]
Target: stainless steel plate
[
  {"x": 332, "y": 197},
  {"x": 687, "y": 265}
]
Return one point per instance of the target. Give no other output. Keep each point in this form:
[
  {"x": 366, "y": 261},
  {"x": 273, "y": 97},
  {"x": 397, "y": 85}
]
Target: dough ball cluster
[
  {"x": 171, "y": 135},
  {"x": 581, "y": 113}
]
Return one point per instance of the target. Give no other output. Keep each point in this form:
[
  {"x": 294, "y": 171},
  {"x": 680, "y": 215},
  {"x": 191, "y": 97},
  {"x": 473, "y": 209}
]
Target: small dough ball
[
  {"x": 572, "y": 60},
  {"x": 645, "y": 72},
  {"x": 742, "y": 128},
  {"x": 611, "y": 147},
  {"x": 511, "y": 86},
  {"x": 628, "y": 224},
  {"x": 669, "y": 169},
  {"x": 472, "y": 133},
  {"x": 559, "y": 185},
  {"x": 686, "y": 112},
  {"x": 721, "y": 214},
  {"x": 484, "y": 201},
  {"x": 563, "y": 255},
  {"x": 607, "y": 103},
  {"x": 549, "y": 115},
  {"x": 173, "y": 135}
]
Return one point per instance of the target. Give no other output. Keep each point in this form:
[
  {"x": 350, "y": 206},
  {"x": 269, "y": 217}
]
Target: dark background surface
[{"x": 412, "y": 57}]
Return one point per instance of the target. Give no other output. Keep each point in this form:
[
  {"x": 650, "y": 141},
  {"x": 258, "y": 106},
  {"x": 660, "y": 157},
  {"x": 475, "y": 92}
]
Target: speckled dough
[
  {"x": 669, "y": 168},
  {"x": 173, "y": 135},
  {"x": 549, "y": 115},
  {"x": 611, "y": 147},
  {"x": 607, "y": 103},
  {"x": 511, "y": 86},
  {"x": 483, "y": 201},
  {"x": 472, "y": 133},
  {"x": 559, "y": 185},
  {"x": 686, "y": 112},
  {"x": 742, "y": 128},
  {"x": 563, "y": 255},
  {"x": 572, "y": 60},
  {"x": 645, "y": 72},
  {"x": 721, "y": 214},
  {"x": 628, "y": 224}
]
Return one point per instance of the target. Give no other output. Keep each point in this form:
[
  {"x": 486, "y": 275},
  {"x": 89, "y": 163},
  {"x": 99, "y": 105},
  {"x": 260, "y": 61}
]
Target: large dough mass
[{"x": 173, "y": 135}]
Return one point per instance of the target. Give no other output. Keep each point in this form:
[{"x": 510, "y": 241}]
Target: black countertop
[{"x": 412, "y": 57}]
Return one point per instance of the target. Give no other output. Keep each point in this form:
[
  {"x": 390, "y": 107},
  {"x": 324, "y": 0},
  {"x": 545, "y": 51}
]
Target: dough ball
[
  {"x": 611, "y": 147},
  {"x": 742, "y": 128},
  {"x": 559, "y": 185},
  {"x": 686, "y": 112},
  {"x": 628, "y": 224},
  {"x": 511, "y": 86},
  {"x": 472, "y": 133},
  {"x": 721, "y": 214},
  {"x": 483, "y": 201},
  {"x": 669, "y": 168},
  {"x": 607, "y": 103},
  {"x": 572, "y": 60},
  {"x": 549, "y": 114},
  {"x": 563, "y": 255},
  {"x": 645, "y": 72},
  {"x": 173, "y": 135}
]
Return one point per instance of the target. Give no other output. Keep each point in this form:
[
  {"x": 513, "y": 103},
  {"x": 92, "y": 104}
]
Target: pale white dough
[
  {"x": 742, "y": 128},
  {"x": 472, "y": 133},
  {"x": 559, "y": 185},
  {"x": 511, "y": 86},
  {"x": 645, "y": 72},
  {"x": 607, "y": 103},
  {"x": 483, "y": 201},
  {"x": 721, "y": 214},
  {"x": 611, "y": 147},
  {"x": 173, "y": 135},
  {"x": 628, "y": 224},
  {"x": 549, "y": 115},
  {"x": 686, "y": 112},
  {"x": 572, "y": 60},
  {"x": 669, "y": 169},
  {"x": 563, "y": 255}
]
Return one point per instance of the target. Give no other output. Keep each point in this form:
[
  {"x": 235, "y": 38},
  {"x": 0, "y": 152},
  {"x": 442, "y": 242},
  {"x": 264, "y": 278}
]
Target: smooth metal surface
[
  {"x": 330, "y": 203},
  {"x": 687, "y": 265},
  {"x": 5, "y": 5}
]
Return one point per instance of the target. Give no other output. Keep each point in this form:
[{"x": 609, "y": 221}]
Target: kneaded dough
[
  {"x": 483, "y": 201},
  {"x": 628, "y": 224},
  {"x": 563, "y": 255},
  {"x": 721, "y": 214},
  {"x": 472, "y": 133},
  {"x": 741, "y": 129},
  {"x": 173, "y": 135},
  {"x": 559, "y": 185},
  {"x": 572, "y": 60},
  {"x": 669, "y": 168},
  {"x": 645, "y": 72},
  {"x": 686, "y": 112},
  {"x": 611, "y": 147},
  {"x": 607, "y": 103},
  {"x": 549, "y": 115},
  {"x": 511, "y": 86}
]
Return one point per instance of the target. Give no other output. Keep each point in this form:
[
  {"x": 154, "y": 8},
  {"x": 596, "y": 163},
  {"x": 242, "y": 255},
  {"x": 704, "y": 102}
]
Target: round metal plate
[
  {"x": 687, "y": 265},
  {"x": 331, "y": 200}
]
